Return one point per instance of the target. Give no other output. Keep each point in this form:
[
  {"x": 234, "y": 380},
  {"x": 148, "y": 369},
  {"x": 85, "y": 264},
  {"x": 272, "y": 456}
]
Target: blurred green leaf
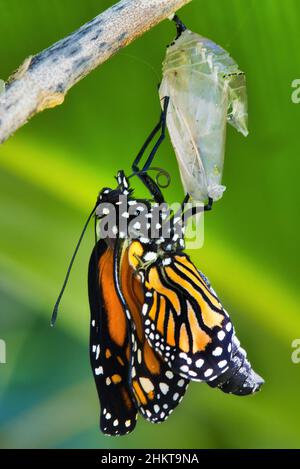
[{"x": 50, "y": 174}]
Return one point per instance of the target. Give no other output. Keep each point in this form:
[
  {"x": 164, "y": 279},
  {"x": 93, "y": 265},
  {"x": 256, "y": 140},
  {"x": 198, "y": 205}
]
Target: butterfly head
[{"x": 112, "y": 196}]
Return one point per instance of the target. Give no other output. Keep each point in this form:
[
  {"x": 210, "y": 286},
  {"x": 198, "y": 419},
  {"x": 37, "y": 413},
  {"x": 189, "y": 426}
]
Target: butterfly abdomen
[{"x": 239, "y": 379}]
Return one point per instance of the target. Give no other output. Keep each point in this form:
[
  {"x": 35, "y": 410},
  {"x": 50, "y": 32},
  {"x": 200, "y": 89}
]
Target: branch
[{"x": 43, "y": 80}]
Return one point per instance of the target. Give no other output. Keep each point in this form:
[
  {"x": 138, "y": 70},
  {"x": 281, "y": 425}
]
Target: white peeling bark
[{"x": 43, "y": 80}]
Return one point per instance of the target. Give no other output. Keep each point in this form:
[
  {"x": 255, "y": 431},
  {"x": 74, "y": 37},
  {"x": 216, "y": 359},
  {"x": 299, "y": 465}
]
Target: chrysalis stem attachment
[
  {"x": 56, "y": 306},
  {"x": 179, "y": 25}
]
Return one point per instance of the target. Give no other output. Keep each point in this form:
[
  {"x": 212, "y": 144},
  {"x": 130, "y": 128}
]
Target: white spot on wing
[
  {"x": 99, "y": 371},
  {"x": 150, "y": 256},
  {"x": 146, "y": 384},
  {"x": 164, "y": 388},
  {"x": 217, "y": 352},
  {"x": 199, "y": 363},
  {"x": 167, "y": 261},
  {"x": 208, "y": 373},
  {"x": 184, "y": 368},
  {"x": 222, "y": 363}
]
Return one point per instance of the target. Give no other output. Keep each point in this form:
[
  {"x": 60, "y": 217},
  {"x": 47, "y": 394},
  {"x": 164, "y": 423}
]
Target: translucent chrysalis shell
[
  {"x": 206, "y": 90},
  {"x": 2, "y": 86}
]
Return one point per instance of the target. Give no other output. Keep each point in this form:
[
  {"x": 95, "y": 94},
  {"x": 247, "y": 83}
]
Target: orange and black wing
[
  {"x": 157, "y": 389},
  {"x": 184, "y": 320},
  {"x": 109, "y": 346}
]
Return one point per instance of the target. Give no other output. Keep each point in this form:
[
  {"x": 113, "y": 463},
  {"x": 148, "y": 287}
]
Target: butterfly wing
[
  {"x": 195, "y": 332},
  {"x": 239, "y": 378},
  {"x": 192, "y": 325},
  {"x": 196, "y": 336},
  {"x": 157, "y": 389},
  {"x": 109, "y": 346}
]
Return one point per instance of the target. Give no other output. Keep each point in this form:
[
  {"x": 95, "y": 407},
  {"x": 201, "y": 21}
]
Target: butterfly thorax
[{"x": 154, "y": 225}]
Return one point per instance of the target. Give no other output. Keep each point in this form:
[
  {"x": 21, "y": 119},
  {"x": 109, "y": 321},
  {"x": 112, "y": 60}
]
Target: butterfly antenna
[{"x": 56, "y": 306}]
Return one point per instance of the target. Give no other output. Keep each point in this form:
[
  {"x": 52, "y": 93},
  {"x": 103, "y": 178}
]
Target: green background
[{"x": 50, "y": 173}]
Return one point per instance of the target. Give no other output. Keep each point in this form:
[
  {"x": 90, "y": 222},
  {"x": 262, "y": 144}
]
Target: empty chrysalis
[{"x": 206, "y": 90}]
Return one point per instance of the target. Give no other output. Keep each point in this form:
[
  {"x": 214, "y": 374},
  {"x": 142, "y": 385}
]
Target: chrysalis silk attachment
[{"x": 206, "y": 90}]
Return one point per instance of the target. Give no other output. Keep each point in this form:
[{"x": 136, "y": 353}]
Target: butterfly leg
[
  {"x": 163, "y": 122},
  {"x": 209, "y": 205},
  {"x": 193, "y": 210},
  {"x": 142, "y": 173},
  {"x": 160, "y": 126}
]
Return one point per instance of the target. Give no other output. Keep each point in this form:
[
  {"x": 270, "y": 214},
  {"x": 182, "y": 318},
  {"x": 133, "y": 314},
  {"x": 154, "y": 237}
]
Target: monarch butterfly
[
  {"x": 130, "y": 375},
  {"x": 156, "y": 322}
]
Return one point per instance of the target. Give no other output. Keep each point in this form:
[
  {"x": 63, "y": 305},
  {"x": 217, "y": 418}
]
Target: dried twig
[{"x": 43, "y": 80}]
